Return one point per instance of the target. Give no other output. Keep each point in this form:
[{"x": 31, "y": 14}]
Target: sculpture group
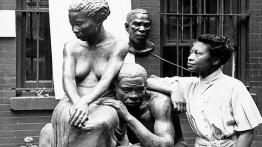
[{"x": 110, "y": 103}]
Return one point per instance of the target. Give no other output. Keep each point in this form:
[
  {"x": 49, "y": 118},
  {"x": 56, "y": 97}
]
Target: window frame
[
  {"x": 239, "y": 63},
  {"x": 22, "y": 86}
]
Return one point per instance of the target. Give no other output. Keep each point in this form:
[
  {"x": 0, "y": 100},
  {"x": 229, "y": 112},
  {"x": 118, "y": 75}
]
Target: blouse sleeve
[
  {"x": 245, "y": 111},
  {"x": 167, "y": 80}
]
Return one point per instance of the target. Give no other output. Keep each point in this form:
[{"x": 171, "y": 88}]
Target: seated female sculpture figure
[{"x": 89, "y": 65}]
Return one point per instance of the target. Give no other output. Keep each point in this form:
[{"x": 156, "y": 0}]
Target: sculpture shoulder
[
  {"x": 121, "y": 46},
  {"x": 74, "y": 46},
  {"x": 160, "y": 103}
]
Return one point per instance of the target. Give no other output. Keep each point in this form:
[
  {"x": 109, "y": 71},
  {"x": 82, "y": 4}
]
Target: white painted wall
[{"x": 61, "y": 32}]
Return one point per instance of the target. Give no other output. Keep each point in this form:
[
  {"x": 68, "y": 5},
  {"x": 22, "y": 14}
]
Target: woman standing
[{"x": 219, "y": 108}]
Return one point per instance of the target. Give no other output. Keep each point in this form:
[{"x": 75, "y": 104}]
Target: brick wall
[
  {"x": 254, "y": 59},
  {"x": 14, "y": 125}
]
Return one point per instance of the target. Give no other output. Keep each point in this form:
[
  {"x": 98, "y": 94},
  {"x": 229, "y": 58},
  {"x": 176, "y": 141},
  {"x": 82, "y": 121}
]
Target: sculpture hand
[
  {"x": 119, "y": 106},
  {"x": 78, "y": 114},
  {"x": 178, "y": 101}
]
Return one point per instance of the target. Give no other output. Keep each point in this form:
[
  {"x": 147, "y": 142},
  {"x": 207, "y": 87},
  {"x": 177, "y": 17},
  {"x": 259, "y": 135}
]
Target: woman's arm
[
  {"x": 175, "y": 92},
  {"x": 245, "y": 138},
  {"x": 159, "y": 86}
]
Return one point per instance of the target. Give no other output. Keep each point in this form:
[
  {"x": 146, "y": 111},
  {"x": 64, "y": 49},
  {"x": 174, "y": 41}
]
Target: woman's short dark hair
[{"x": 218, "y": 46}]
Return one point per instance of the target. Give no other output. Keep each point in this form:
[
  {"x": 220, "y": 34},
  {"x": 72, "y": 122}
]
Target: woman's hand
[
  {"x": 78, "y": 114},
  {"x": 178, "y": 101}
]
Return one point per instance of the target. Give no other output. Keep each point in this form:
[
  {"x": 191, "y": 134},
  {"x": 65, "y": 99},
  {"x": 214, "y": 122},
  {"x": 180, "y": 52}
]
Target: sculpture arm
[
  {"x": 68, "y": 75},
  {"x": 163, "y": 128},
  {"x": 78, "y": 114}
]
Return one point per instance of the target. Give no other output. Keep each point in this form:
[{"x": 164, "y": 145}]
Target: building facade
[{"x": 26, "y": 61}]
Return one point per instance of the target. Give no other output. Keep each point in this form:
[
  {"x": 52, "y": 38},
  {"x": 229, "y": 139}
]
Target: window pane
[
  {"x": 33, "y": 4},
  {"x": 44, "y": 4},
  {"x": 209, "y": 25},
  {"x": 210, "y": 7},
  {"x": 188, "y": 28},
  {"x": 177, "y": 56},
  {"x": 31, "y": 48},
  {"x": 172, "y": 6},
  {"x": 38, "y": 40},
  {"x": 171, "y": 27},
  {"x": 45, "y": 55},
  {"x": 181, "y": 6},
  {"x": 182, "y": 28},
  {"x": 230, "y": 6}
]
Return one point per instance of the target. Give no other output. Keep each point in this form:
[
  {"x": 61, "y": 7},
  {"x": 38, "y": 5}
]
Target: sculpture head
[
  {"x": 97, "y": 10},
  {"x": 86, "y": 17},
  {"x": 130, "y": 84},
  {"x": 138, "y": 25}
]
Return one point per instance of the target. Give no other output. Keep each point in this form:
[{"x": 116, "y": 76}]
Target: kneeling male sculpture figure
[{"x": 148, "y": 114}]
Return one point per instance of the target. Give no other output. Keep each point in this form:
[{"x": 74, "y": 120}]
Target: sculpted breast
[
  {"x": 90, "y": 68},
  {"x": 82, "y": 70},
  {"x": 91, "y": 61}
]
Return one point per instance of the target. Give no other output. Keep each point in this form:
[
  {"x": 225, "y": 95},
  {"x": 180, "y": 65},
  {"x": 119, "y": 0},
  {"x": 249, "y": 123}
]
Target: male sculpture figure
[
  {"x": 138, "y": 25},
  {"x": 148, "y": 114}
]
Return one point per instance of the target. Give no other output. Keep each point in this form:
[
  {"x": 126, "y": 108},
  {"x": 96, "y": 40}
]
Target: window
[
  {"x": 182, "y": 21},
  {"x": 34, "y": 60}
]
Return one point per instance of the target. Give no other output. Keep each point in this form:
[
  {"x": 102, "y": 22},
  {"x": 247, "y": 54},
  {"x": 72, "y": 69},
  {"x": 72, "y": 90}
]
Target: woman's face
[
  {"x": 83, "y": 27},
  {"x": 200, "y": 60}
]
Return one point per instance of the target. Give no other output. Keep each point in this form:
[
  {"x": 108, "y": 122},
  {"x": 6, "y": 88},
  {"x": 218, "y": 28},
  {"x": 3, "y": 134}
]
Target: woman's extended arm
[
  {"x": 159, "y": 86},
  {"x": 175, "y": 92}
]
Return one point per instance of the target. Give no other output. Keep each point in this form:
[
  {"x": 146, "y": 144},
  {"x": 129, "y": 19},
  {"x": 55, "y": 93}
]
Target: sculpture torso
[
  {"x": 90, "y": 62},
  {"x": 145, "y": 114}
]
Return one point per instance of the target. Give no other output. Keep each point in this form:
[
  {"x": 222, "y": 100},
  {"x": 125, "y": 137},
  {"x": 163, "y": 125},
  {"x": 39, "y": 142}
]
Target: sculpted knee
[
  {"x": 108, "y": 118},
  {"x": 46, "y": 136}
]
